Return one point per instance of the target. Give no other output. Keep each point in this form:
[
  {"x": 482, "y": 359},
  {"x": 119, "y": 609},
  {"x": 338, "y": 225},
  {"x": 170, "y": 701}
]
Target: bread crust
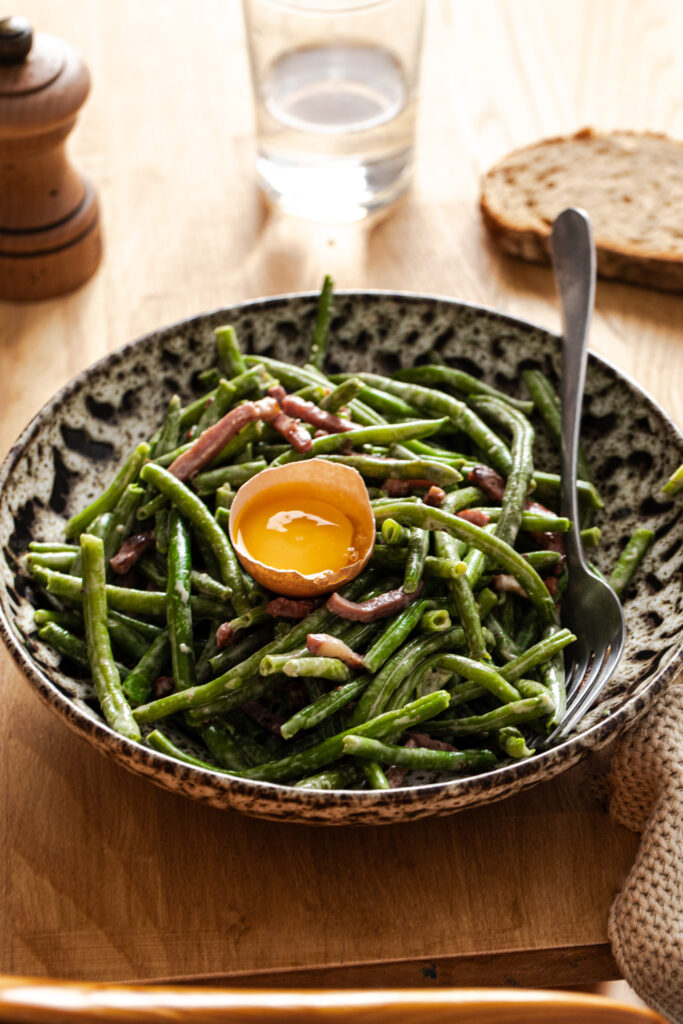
[{"x": 635, "y": 192}]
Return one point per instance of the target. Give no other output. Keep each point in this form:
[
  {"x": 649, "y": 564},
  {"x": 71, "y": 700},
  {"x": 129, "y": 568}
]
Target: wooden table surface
[{"x": 104, "y": 876}]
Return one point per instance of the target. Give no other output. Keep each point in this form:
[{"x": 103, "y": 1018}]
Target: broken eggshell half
[{"x": 339, "y": 485}]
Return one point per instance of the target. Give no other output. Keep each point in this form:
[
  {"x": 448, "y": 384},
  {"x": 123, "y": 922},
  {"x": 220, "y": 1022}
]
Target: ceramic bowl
[{"x": 71, "y": 449}]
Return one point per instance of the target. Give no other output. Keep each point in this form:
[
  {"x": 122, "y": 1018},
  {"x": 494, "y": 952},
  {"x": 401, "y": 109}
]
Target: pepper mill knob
[{"x": 50, "y": 238}]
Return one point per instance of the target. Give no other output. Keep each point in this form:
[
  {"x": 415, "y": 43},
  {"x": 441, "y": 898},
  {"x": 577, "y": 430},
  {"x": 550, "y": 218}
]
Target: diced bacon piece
[
  {"x": 332, "y": 647},
  {"x": 224, "y": 635},
  {"x": 397, "y": 488},
  {"x": 311, "y": 413},
  {"x": 473, "y": 515},
  {"x": 434, "y": 496},
  {"x": 488, "y": 481},
  {"x": 376, "y": 608},
  {"x": 292, "y": 431},
  {"x": 503, "y": 582},
  {"x": 130, "y": 551}
]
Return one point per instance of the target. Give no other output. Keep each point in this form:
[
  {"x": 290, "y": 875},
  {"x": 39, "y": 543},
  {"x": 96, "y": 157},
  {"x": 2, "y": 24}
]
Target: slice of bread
[{"x": 630, "y": 183}]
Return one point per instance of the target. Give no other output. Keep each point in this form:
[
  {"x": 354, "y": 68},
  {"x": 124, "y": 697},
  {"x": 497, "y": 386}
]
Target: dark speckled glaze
[{"x": 71, "y": 449}]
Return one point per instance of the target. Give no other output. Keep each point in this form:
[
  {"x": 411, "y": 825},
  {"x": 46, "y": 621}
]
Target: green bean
[
  {"x": 152, "y": 572},
  {"x": 138, "y": 683},
  {"x": 191, "y": 413},
  {"x": 168, "y": 438},
  {"x": 435, "y": 621},
  {"x": 151, "y": 507},
  {"x": 630, "y": 559},
  {"x": 327, "y": 704},
  {"x": 342, "y": 394},
  {"x": 227, "y": 393},
  {"x": 126, "y": 640},
  {"x": 231, "y": 568},
  {"x": 161, "y": 525},
  {"x": 543, "y": 651},
  {"x": 525, "y": 710},
  {"x": 380, "y": 467},
  {"x": 397, "y": 628},
  {"x": 512, "y": 742},
  {"x": 237, "y": 651},
  {"x": 322, "y": 324},
  {"x": 178, "y": 610},
  {"x": 528, "y": 628},
  {"x": 521, "y": 470},
  {"x": 387, "y": 405},
  {"x": 531, "y": 522},
  {"x": 463, "y": 382},
  {"x": 393, "y": 533},
  {"x": 487, "y": 601},
  {"x": 330, "y": 750},
  {"x": 417, "y": 757},
  {"x": 205, "y": 584},
  {"x": 253, "y": 432},
  {"x": 230, "y": 358},
  {"x": 548, "y": 405},
  {"x": 374, "y": 775},
  {"x": 675, "y": 482},
  {"x": 126, "y": 599},
  {"x": 500, "y": 552},
  {"x": 487, "y": 676},
  {"x": 552, "y": 673},
  {"x": 547, "y": 485},
  {"x": 106, "y": 501},
  {"x": 106, "y": 678},
  {"x": 387, "y": 557},
  {"x": 161, "y": 743},
  {"x": 67, "y": 620},
  {"x": 235, "y": 475},
  {"x": 223, "y": 747},
  {"x": 468, "y": 612},
  {"x": 146, "y": 629},
  {"x": 590, "y": 537},
  {"x": 505, "y": 645},
  {"x": 59, "y": 637},
  {"x": 418, "y": 546},
  {"x": 122, "y": 519},
  {"x": 193, "y": 509},
  {"x": 380, "y": 434},
  {"x": 460, "y": 415},
  {"x": 334, "y": 778},
  {"x": 318, "y": 668},
  {"x": 42, "y": 548},
  {"x": 291, "y": 377},
  {"x": 61, "y": 560}
]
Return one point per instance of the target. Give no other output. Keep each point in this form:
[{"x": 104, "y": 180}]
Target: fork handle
[{"x": 573, "y": 252}]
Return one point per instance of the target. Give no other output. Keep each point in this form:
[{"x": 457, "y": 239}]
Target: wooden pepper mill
[{"x": 50, "y": 239}]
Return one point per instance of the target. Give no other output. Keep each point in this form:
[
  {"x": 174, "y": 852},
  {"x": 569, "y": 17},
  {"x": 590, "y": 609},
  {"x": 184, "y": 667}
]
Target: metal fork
[{"x": 590, "y": 608}]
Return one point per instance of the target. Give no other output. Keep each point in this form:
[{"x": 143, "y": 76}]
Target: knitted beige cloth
[{"x": 646, "y": 795}]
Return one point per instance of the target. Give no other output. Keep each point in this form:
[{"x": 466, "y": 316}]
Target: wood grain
[{"x": 105, "y": 876}]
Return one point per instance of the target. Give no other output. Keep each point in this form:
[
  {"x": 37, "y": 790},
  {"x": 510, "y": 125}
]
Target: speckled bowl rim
[{"x": 278, "y": 801}]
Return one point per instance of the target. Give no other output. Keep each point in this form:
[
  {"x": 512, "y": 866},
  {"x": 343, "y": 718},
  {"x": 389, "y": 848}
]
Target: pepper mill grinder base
[
  {"x": 44, "y": 264},
  {"x": 50, "y": 236}
]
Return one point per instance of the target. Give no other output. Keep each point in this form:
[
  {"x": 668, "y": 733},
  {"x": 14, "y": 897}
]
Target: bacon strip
[
  {"x": 397, "y": 488},
  {"x": 309, "y": 412},
  {"x": 293, "y": 432},
  {"x": 287, "y": 608},
  {"x": 129, "y": 552},
  {"x": 488, "y": 481},
  {"x": 376, "y": 608},
  {"x": 278, "y": 393},
  {"x": 473, "y": 515},
  {"x": 505, "y": 583},
  {"x": 215, "y": 438},
  {"x": 224, "y": 635},
  {"x": 434, "y": 496},
  {"x": 332, "y": 647}
]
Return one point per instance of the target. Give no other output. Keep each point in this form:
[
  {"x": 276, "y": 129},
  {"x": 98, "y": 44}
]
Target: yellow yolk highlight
[{"x": 289, "y": 529}]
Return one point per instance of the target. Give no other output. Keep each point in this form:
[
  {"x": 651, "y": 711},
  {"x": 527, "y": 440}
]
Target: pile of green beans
[{"x": 465, "y": 677}]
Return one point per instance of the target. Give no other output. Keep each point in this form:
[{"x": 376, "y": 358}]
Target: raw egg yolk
[{"x": 296, "y": 532}]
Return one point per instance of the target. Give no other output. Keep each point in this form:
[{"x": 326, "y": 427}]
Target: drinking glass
[{"x": 335, "y": 92}]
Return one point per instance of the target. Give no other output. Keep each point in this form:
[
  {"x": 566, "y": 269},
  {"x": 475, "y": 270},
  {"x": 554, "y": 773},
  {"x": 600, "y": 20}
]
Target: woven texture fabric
[{"x": 646, "y": 795}]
